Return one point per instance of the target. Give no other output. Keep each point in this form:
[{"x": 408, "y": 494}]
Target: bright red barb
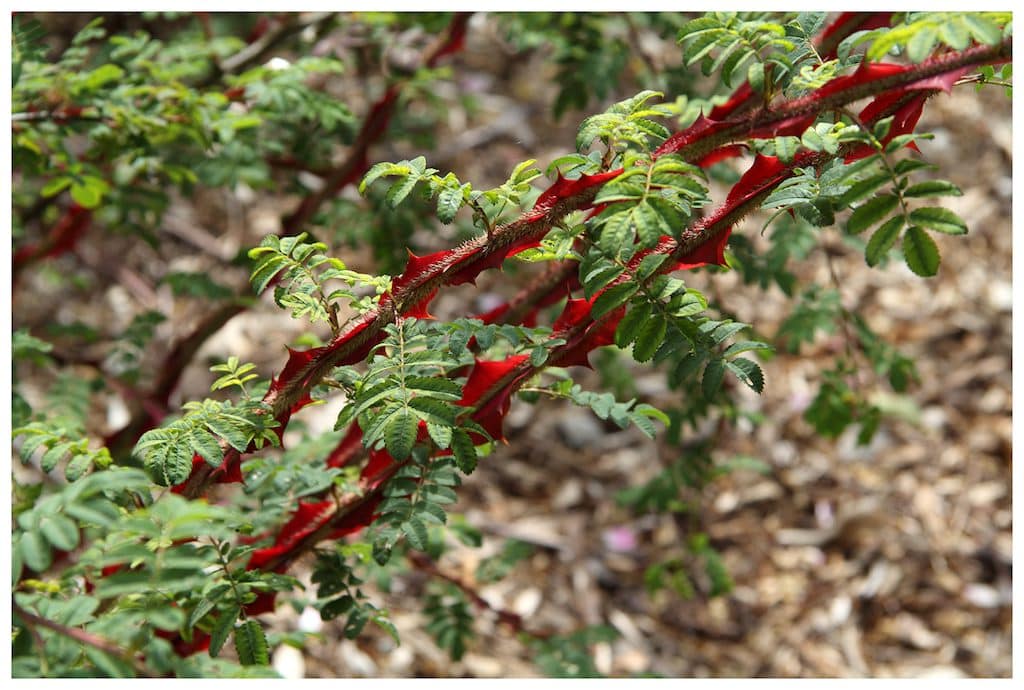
[
  {"x": 849, "y": 22},
  {"x": 348, "y": 447},
  {"x": 738, "y": 98},
  {"x": 358, "y": 519},
  {"x": 419, "y": 309},
  {"x": 380, "y": 462},
  {"x": 297, "y": 361},
  {"x": 469, "y": 272},
  {"x": 482, "y": 379},
  {"x": 701, "y": 128},
  {"x": 200, "y": 641},
  {"x": 229, "y": 471},
  {"x": 904, "y": 120},
  {"x": 265, "y": 602},
  {"x": 765, "y": 170},
  {"x": 564, "y": 187},
  {"x": 376, "y": 122},
  {"x": 721, "y": 153},
  {"x": 597, "y": 335},
  {"x": 308, "y": 518},
  {"x": 484, "y": 375},
  {"x": 865, "y": 72},
  {"x": 417, "y": 267},
  {"x": 494, "y": 315},
  {"x": 575, "y": 311}
]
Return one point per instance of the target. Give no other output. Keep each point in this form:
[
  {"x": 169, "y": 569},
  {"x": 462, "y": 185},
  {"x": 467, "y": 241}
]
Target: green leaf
[
  {"x": 60, "y": 530},
  {"x": 207, "y": 447},
  {"x": 786, "y": 148},
  {"x": 612, "y": 298},
  {"x": 932, "y": 188},
  {"x": 267, "y": 268},
  {"x": 55, "y": 455},
  {"x": 871, "y": 212},
  {"x": 433, "y": 410},
  {"x": 984, "y": 30},
  {"x": 883, "y": 240},
  {"x": 650, "y": 225},
  {"x": 440, "y": 434},
  {"x": 337, "y": 607},
  {"x": 225, "y": 624},
  {"x": 78, "y": 466},
  {"x": 599, "y": 278},
  {"x": 724, "y": 330},
  {"x": 630, "y": 324},
  {"x": 416, "y": 533},
  {"x": 748, "y": 372},
  {"x": 920, "y": 252},
  {"x": 170, "y": 463},
  {"x": 206, "y": 604},
  {"x": 230, "y": 429},
  {"x": 97, "y": 512},
  {"x": 755, "y": 75},
  {"x": 649, "y": 337},
  {"x": 711, "y": 382},
  {"x": 78, "y": 611},
  {"x": 616, "y": 232},
  {"x": 649, "y": 265},
  {"x": 35, "y": 551},
  {"x": 939, "y": 219},
  {"x": 862, "y": 189},
  {"x": 744, "y": 346},
  {"x": 101, "y": 76},
  {"x": 464, "y": 451},
  {"x": 921, "y": 44},
  {"x": 380, "y": 170},
  {"x": 55, "y": 186},
  {"x": 431, "y": 512},
  {"x": 449, "y": 201},
  {"x": 399, "y": 190},
  {"x": 954, "y": 33},
  {"x": 89, "y": 192},
  {"x": 109, "y": 665},
  {"x": 400, "y": 435},
  {"x": 30, "y": 444},
  {"x": 251, "y": 644}
]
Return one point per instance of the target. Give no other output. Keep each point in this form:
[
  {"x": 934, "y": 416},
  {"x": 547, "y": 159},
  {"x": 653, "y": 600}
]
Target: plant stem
[{"x": 86, "y": 638}]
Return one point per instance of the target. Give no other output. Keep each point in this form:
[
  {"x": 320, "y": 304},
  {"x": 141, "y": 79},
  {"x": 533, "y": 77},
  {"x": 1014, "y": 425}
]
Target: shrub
[{"x": 145, "y": 550}]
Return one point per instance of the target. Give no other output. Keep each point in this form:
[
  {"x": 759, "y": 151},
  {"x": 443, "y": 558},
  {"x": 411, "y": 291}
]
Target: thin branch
[
  {"x": 427, "y": 565},
  {"x": 258, "y": 49},
  {"x": 86, "y": 638},
  {"x": 374, "y": 127}
]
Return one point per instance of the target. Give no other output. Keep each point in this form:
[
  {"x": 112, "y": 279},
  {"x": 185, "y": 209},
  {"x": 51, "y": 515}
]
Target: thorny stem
[
  {"x": 702, "y": 232},
  {"x": 367, "y": 328},
  {"x": 813, "y": 103},
  {"x": 344, "y": 174},
  {"x": 364, "y": 331}
]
